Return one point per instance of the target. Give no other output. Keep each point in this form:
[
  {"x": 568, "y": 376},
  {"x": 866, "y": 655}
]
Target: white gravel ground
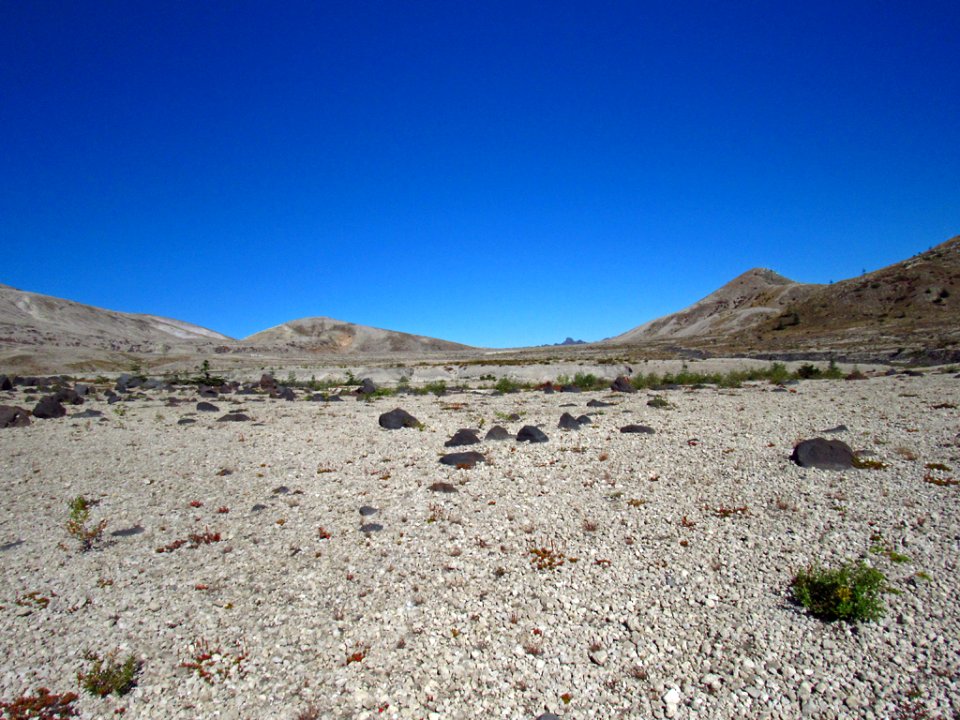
[{"x": 662, "y": 608}]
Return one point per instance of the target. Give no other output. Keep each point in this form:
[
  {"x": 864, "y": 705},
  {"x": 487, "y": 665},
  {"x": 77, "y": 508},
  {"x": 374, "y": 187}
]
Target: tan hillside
[
  {"x": 908, "y": 310},
  {"x": 322, "y": 334}
]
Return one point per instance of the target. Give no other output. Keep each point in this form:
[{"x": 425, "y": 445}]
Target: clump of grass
[
  {"x": 78, "y": 523},
  {"x": 850, "y": 592},
  {"x": 108, "y": 675},
  {"x": 658, "y": 401}
]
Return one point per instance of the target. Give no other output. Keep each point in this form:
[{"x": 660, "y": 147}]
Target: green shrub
[
  {"x": 108, "y": 675},
  {"x": 506, "y": 385},
  {"x": 77, "y": 524},
  {"x": 438, "y": 387},
  {"x": 850, "y": 592}
]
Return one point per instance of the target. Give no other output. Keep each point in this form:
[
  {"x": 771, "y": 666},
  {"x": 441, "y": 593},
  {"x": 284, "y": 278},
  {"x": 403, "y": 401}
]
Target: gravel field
[{"x": 672, "y": 555}]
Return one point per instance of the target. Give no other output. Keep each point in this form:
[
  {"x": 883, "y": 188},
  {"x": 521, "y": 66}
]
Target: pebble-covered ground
[{"x": 666, "y": 558}]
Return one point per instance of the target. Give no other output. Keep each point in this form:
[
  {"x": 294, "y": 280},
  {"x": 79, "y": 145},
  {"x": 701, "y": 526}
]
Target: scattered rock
[
  {"x": 283, "y": 393},
  {"x": 367, "y": 387},
  {"x": 11, "y": 545},
  {"x": 637, "y": 429},
  {"x": 234, "y": 417},
  {"x": 497, "y": 432},
  {"x": 568, "y": 422},
  {"x": 68, "y": 396},
  {"x": 823, "y": 454},
  {"x": 207, "y": 407},
  {"x": 463, "y": 437},
  {"x": 88, "y": 413},
  {"x": 371, "y": 528},
  {"x": 570, "y": 389},
  {"x": 622, "y": 384},
  {"x": 48, "y": 407},
  {"x": 397, "y": 418},
  {"x": 532, "y": 434},
  {"x": 259, "y": 507},
  {"x": 267, "y": 382},
  {"x": 463, "y": 459},
  {"x": 186, "y": 421},
  {"x": 368, "y": 510},
  {"x": 5, "y": 383},
  {"x": 12, "y": 416},
  {"x": 599, "y": 403},
  {"x": 442, "y": 487},
  {"x": 585, "y": 420}
]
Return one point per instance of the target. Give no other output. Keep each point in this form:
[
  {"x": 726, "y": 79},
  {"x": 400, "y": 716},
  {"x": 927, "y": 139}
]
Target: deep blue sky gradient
[{"x": 494, "y": 173}]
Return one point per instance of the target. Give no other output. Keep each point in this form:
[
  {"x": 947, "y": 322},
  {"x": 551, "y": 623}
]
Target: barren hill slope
[
  {"x": 908, "y": 309},
  {"x": 322, "y": 334}
]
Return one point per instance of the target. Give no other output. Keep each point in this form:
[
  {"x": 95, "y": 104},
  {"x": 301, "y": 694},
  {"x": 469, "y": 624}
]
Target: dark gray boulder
[
  {"x": 397, "y": 418},
  {"x": 598, "y": 403},
  {"x": 13, "y": 416},
  {"x": 68, "y": 396},
  {"x": 86, "y": 414},
  {"x": 643, "y": 429},
  {"x": 5, "y": 383},
  {"x": 207, "y": 407},
  {"x": 532, "y": 434},
  {"x": 48, "y": 407},
  {"x": 464, "y": 436},
  {"x": 622, "y": 384},
  {"x": 823, "y": 454},
  {"x": 233, "y": 417},
  {"x": 568, "y": 422},
  {"x": 367, "y": 387},
  {"x": 498, "y": 432},
  {"x": 267, "y": 382},
  {"x": 284, "y": 393},
  {"x": 463, "y": 459}
]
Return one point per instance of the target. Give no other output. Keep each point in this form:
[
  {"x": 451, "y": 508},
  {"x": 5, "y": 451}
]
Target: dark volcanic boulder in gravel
[
  {"x": 463, "y": 459},
  {"x": 637, "y": 429},
  {"x": 267, "y": 382},
  {"x": 68, "y": 396},
  {"x": 12, "y": 416},
  {"x": 622, "y": 384},
  {"x": 88, "y": 413},
  {"x": 599, "y": 403},
  {"x": 5, "y": 383},
  {"x": 48, "y": 407},
  {"x": 531, "y": 433},
  {"x": 464, "y": 436},
  {"x": 233, "y": 417},
  {"x": 283, "y": 393},
  {"x": 207, "y": 407},
  {"x": 498, "y": 432},
  {"x": 568, "y": 422},
  {"x": 367, "y": 387},
  {"x": 585, "y": 420},
  {"x": 837, "y": 429},
  {"x": 823, "y": 454},
  {"x": 397, "y": 418},
  {"x": 186, "y": 421}
]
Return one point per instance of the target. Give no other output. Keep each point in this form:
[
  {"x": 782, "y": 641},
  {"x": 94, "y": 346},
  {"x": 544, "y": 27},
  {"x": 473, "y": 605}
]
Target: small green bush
[
  {"x": 77, "y": 525},
  {"x": 850, "y": 592},
  {"x": 506, "y": 385},
  {"x": 108, "y": 675}
]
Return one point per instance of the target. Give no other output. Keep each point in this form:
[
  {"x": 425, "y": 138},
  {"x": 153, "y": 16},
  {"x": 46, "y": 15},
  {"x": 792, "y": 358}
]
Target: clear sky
[{"x": 497, "y": 173}]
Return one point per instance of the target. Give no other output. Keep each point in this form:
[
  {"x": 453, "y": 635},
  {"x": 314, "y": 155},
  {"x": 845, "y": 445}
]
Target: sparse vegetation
[
  {"x": 850, "y": 592},
  {"x": 108, "y": 675},
  {"x": 43, "y": 705},
  {"x": 78, "y": 524}
]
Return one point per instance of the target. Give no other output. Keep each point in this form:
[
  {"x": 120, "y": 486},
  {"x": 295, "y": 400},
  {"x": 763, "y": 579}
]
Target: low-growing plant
[
  {"x": 108, "y": 675},
  {"x": 506, "y": 385},
  {"x": 658, "y": 401},
  {"x": 212, "y": 663},
  {"x": 43, "y": 705},
  {"x": 547, "y": 557},
  {"x": 78, "y": 523},
  {"x": 850, "y": 592}
]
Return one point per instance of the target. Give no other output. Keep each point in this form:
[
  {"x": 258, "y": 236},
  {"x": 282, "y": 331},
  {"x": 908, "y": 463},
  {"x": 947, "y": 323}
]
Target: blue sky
[{"x": 494, "y": 173}]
